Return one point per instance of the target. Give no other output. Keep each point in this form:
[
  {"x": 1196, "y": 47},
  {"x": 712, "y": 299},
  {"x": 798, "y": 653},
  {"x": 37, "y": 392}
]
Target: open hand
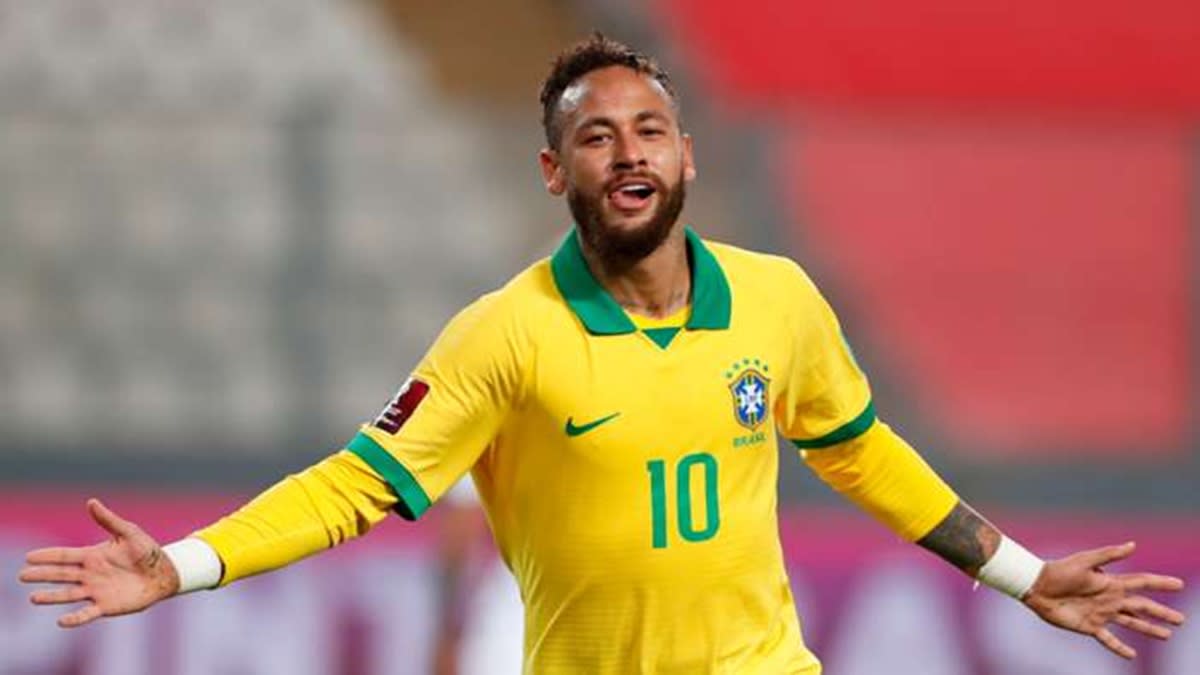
[
  {"x": 122, "y": 575},
  {"x": 1075, "y": 593}
]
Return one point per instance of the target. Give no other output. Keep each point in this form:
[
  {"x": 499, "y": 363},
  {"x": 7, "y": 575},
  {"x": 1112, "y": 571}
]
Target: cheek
[
  {"x": 586, "y": 177},
  {"x": 671, "y": 172},
  {"x": 669, "y": 160}
]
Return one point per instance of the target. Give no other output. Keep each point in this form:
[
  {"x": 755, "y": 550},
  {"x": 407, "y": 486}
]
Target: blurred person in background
[
  {"x": 481, "y": 620},
  {"x": 617, "y": 406}
]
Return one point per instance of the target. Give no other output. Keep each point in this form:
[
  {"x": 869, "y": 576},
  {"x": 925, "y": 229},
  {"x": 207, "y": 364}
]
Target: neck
[{"x": 658, "y": 285}]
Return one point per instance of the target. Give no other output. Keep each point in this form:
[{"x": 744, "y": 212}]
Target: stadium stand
[
  {"x": 170, "y": 169},
  {"x": 1066, "y": 325},
  {"x": 1048, "y": 173}
]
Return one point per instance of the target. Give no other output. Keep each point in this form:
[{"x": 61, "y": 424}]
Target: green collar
[{"x": 601, "y": 315}]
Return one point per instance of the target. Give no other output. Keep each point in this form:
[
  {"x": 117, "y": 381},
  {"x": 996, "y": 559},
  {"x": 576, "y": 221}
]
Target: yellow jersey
[
  {"x": 628, "y": 468},
  {"x": 630, "y": 476}
]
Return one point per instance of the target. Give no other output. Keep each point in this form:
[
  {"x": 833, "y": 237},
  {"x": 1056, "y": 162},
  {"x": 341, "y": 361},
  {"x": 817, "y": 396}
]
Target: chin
[
  {"x": 615, "y": 221},
  {"x": 623, "y": 237},
  {"x": 627, "y": 225}
]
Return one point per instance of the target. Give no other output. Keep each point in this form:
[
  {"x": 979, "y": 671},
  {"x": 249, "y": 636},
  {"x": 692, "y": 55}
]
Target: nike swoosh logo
[{"x": 573, "y": 430}]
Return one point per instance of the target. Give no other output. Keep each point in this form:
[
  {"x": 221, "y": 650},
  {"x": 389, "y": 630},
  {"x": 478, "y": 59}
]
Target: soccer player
[{"x": 617, "y": 406}]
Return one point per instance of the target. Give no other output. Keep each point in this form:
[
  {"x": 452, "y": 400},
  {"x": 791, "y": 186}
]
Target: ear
[
  {"x": 553, "y": 174},
  {"x": 689, "y": 160}
]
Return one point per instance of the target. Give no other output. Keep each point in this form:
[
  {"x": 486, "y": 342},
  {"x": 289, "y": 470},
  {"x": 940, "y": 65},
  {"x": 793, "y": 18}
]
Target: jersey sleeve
[
  {"x": 882, "y": 474},
  {"x": 335, "y": 500},
  {"x": 826, "y": 399},
  {"x": 450, "y": 409}
]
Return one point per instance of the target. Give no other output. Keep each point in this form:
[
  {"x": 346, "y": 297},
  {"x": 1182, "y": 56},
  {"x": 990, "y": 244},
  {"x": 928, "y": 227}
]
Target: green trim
[
  {"x": 600, "y": 313},
  {"x": 413, "y": 500},
  {"x": 847, "y": 432},
  {"x": 711, "y": 300},
  {"x": 662, "y": 336}
]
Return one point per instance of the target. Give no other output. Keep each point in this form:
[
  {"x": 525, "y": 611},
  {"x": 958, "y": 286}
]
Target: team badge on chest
[{"x": 751, "y": 392}]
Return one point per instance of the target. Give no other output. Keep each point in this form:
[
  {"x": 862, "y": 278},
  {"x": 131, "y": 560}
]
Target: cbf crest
[{"x": 750, "y": 389}]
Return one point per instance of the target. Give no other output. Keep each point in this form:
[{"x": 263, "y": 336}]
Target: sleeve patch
[{"x": 402, "y": 407}]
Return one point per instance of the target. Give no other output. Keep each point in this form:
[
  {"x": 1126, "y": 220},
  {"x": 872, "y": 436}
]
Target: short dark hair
[{"x": 581, "y": 58}]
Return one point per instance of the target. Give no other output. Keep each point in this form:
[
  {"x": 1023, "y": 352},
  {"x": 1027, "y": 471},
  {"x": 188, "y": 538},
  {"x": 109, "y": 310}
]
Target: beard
[{"x": 620, "y": 249}]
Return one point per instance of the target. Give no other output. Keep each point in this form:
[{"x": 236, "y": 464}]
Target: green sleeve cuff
[
  {"x": 847, "y": 432},
  {"x": 413, "y": 500}
]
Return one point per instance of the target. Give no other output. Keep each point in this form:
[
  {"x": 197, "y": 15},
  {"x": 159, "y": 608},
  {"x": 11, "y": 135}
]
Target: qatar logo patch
[
  {"x": 402, "y": 407},
  {"x": 751, "y": 392}
]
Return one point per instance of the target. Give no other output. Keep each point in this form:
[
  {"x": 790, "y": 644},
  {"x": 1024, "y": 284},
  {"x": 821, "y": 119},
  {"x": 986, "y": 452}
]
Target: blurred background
[{"x": 229, "y": 229}]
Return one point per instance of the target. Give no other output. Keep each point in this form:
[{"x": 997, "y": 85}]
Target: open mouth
[{"x": 633, "y": 196}]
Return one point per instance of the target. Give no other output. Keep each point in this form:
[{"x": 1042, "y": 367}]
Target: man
[{"x": 617, "y": 406}]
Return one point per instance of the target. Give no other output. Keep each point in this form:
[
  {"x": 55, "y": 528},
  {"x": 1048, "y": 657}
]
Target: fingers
[
  {"x": 51, "y": 574},
  {"x": 1114, "y": 645},
  {"x": 1138, "y": 604},
  {"x": 1099, "y": 557},
  {"x": 1150, "y": 582},
  {"x": 58, "y": 555},
  {"x": 59, "y": 596},
  {"x": 1143, "y": 626},
  {"x": 116, "y": 525},
  {"x": 85, "y": 614}
]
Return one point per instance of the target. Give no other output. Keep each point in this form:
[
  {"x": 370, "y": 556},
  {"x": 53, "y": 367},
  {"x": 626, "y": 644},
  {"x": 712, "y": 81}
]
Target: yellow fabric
[
  {"x": 334, "y": 500},
  {"x": 573, "y": 516},
  {"x": 675, "y": 320},
  {"x": 628, "y": 488},
  {"x": 825, "y": 388},
  {"x": 885, "y": 477}
]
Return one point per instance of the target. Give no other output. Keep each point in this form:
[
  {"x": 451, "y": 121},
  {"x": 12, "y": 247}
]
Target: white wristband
[
  {"x": 1011, "y": 569},
  {"x": 198, "y": 565}
]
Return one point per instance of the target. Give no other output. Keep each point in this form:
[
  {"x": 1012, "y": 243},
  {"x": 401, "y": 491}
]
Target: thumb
[
  {"x": 114, "y": 524},
  {"x": 1099, "y": 557}
]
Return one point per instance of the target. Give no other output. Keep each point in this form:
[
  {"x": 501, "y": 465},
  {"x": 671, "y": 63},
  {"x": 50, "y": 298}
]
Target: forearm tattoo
[{"x": 963, "y": 539}]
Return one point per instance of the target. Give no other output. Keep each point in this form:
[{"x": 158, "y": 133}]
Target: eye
[
  {"x": 652, "y": 132},
  {"x": 595, "y": 139}
]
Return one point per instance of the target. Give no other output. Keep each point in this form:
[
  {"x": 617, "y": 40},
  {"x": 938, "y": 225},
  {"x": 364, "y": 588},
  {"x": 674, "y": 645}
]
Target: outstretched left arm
[
  {"x": 1074, "y": 592},
  {"x": 884, "y": 476},
  {"x": 826, "y": 410}
]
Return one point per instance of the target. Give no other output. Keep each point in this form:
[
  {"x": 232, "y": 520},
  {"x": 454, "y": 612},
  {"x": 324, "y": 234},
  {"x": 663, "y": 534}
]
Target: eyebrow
[
  {"x": 609, "y": 122},
  {"x": 651, "y": 115}
]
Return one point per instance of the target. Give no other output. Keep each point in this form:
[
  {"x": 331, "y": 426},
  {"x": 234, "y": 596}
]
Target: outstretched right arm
[
  {"x": 330, "y": 502},
  {"x": 403, "y": 461}
]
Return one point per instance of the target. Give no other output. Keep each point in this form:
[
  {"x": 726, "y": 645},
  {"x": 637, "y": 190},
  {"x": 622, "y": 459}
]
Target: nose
[{"x": 628, "y": 153}]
